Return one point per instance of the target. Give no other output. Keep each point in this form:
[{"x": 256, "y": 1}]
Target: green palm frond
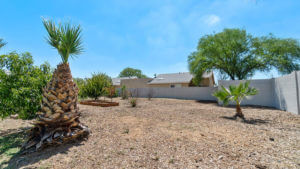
[
  {"x": 2, "y": 43},
  {"x": 65, "y": 38},
  {"x": 235, "y": 93}
]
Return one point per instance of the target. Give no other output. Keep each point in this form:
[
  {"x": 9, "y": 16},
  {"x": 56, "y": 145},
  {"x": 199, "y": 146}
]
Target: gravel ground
[{"x": 170, "y": 133}]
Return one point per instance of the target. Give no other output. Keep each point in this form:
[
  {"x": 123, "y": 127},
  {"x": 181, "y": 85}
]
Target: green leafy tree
[
  {"x": 21, "y": 85},
  {"x": 130, "y": 72},
  {"x": 238, "y": 55},
  {"x": 235, "y": 94},
  {"x": 97, "y": 85}
]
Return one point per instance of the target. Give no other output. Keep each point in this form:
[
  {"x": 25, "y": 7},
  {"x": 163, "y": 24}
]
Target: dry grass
[{"x": 170, "y": 133}]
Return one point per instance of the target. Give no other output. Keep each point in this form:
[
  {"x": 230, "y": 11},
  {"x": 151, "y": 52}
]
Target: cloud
[{"x": 211, "y": 20}]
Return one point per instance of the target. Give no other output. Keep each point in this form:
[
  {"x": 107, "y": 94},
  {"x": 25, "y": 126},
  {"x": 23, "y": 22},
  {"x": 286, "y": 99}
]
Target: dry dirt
[{"x": 170, "y": 133}]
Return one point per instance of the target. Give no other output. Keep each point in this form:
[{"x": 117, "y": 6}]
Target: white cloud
[{"x": 211, "y": 20}]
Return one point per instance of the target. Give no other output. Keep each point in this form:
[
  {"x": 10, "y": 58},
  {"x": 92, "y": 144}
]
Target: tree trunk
[
  {"x": 58, "y": 122},
  {"x": 239, "y": 112}
]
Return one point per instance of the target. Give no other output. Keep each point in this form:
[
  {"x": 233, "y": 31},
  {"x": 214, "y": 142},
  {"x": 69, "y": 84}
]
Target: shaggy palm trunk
[
  {"x": 239, "y": 112},
  {"x": 58, "y": 120}
]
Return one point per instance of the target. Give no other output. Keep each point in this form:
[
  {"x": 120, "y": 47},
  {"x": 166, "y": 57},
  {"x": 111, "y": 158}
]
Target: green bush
[
  {"x": 21, "y": 85},
  {"x": 80, "y": 84},
  {"x": 133, "y": 102},
  {"x": 96, "y": 86}
]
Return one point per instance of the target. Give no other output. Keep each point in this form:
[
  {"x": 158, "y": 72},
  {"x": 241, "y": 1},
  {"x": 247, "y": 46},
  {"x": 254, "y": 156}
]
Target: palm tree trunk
[
  {"x": 58, "y": 120},
  {"x": 239, "y": 112}
]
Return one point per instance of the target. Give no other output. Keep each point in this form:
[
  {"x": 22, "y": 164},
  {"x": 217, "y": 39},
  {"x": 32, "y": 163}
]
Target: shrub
[
  {"x": 133, "y": 102},
  {"x": 80, "y": 84},
  {"x": 95, "y": 86},
  {"x": 21, "y": 85},
  {"x": 111, "y": 92},
  {"x": 124, "y": 93}
]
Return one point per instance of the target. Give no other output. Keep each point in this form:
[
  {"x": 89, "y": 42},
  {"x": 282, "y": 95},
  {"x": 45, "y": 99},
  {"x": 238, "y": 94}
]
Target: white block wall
[
  {"x": 188, "y": 93},
  {"x": 280, "y": 93}
]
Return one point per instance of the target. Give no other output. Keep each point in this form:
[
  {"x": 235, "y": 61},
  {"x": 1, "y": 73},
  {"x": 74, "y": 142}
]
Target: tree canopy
[
  {"x": 130, "y": 72},
  {"x": 21, "y": 85},
  {"x": 236, "y": 54}
]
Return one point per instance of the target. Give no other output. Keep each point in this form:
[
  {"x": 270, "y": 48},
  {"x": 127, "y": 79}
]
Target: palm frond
[
  {"x": 235, "y": 93},
  {"x": 2, "y": 43},
  {"x": 65, "y": 38},
  {"x": 53, "y": 37}
]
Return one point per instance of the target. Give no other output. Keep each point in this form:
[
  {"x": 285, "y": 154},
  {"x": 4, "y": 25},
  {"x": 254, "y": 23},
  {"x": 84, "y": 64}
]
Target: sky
[{"x": 155, "y": 36}]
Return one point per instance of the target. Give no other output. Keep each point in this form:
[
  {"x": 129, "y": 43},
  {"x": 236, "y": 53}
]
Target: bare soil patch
[{"x": 170, "y": 133}]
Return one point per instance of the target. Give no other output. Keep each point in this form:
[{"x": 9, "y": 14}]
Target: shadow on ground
[
  {"x": 207, "y": 101},
  {"x": 247, "y": 121},
  {"x": 15, "y": 139}
]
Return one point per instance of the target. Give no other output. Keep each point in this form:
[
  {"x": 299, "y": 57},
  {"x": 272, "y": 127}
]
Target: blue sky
[{"x": 155, "y": 36}]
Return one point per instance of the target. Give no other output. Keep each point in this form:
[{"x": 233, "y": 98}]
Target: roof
[
  {"x": 117, "y": 81},
  {"x": 182, "y": 77}
]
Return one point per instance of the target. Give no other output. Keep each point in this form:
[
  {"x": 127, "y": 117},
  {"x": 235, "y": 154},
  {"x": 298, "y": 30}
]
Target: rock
[{"x": 14, "y": 116}]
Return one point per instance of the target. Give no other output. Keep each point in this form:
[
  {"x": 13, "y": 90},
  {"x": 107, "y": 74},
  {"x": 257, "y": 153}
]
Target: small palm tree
[
  {"x": 58, "y": 120},
  {"x": 236, "y": 94}
]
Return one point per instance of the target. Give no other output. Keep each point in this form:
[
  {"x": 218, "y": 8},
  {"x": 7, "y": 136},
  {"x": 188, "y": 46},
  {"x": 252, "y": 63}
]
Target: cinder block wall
[
  {"x": 188, "y": 93},
  {"x": 281, "y": 93}
]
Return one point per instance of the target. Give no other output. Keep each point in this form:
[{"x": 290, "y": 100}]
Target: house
[
  {"x": 136, "y": 83},
  {"x": 181, "y": 80},
  {"x": 117, "y": 81}
]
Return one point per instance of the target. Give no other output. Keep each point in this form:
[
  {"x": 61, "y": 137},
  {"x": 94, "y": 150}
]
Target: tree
[
  {"x": 2, "y": 43},
  {"x": 21, "y": 85},
  {"x": 58, "y": 121},
  {"x": 95, "y": 86},
  {"x": 130, "y": 72},
  {"x": 236, "y": 94},
  {"x": 238, "y": 55}
]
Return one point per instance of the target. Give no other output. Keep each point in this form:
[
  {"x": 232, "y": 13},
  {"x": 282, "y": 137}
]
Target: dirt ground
[{"x": 170, "y": 133}]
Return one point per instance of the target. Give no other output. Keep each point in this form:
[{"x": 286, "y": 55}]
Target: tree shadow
[
  {"x": 19, "y": 159},
  {"x": 247, "y": 121},
  {"x": 207, "y": 102},
  {"x": 11, "y": 139}
]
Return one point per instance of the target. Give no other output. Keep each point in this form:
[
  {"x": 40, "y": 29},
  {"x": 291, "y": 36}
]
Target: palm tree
[
  {"x": 236, "y": 94},
  {"x": 2, "y": 43},
  {"x": 58, "y": 120}
]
